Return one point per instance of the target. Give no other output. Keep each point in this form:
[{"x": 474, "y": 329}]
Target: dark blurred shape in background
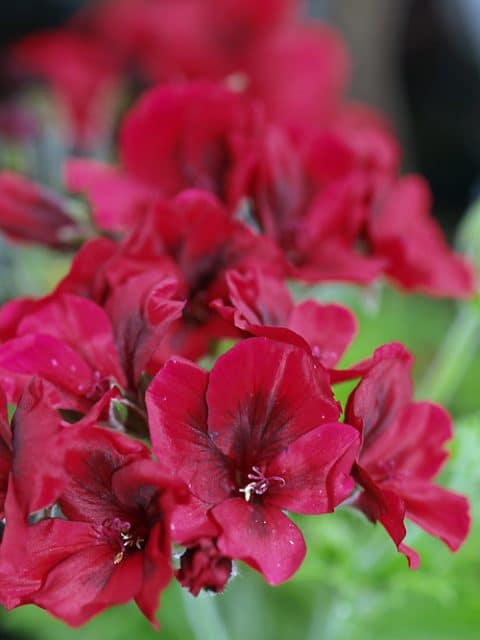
[
  {"x": 419, "y": 61},
  {"x": 440, "y": 68},
  {"x": 20, "y": 17}
]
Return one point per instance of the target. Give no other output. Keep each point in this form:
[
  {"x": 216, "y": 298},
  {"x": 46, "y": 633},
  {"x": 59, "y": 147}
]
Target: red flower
[
  {"x": 70, "y": 342},
  {"x": 87, "y": 276},
  {"x": 316, "y": 218},
  {"x": 402, "y": 452},
  {"x": 405, "y": 234},
  {"x": 263, "y": 306},
  {"x": 177, "y": 137},
  {"x": 255, "y": 436},
  {"x": 185, "y": 136},
  {"x": 32, "y": 213},
  {"x": 114, "y": 544},
  {"x": 142, "y": 310},
  {"x": 193, "y": 238}
]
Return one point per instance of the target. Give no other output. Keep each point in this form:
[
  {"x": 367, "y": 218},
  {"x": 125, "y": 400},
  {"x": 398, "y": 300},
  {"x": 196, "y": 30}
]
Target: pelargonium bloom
[
  {"x": 315, "y": 216},
  {"x": 263, "y": 306},
  {"x": 402, "y": 230},
  {"x": 196, "y": 135},
  {"x": 402, "y": 452},
  {"x": 193, "y": 238},
  {"x": 81, "y": 352},
  {"x": 257, "y": 435},
  {"x": 113, "y": 542}
]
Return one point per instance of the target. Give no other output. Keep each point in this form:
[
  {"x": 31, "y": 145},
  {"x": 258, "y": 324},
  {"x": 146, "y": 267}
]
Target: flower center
[
  {"x": 259, "y": 483},
  {"x": 99, "y": 387},
  {"x": 119, "y": 534}
]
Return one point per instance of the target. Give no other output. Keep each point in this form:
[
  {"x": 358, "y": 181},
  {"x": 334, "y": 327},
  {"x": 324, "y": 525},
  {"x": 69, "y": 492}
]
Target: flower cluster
[{"x": 230, "y": 181}]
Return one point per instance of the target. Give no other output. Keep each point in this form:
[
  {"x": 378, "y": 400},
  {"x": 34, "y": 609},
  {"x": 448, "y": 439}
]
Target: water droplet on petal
[{"x": 54, "y": 362}]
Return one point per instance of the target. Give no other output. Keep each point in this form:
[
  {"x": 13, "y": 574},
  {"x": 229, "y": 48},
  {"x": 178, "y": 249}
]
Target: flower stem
[
  {"x": 452, "y": 360},
  {"x": 202, "y": 613}
]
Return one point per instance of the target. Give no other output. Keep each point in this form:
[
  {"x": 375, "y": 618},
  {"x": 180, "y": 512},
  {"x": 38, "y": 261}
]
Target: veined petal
[
  {"x": 384, "y": 391},
  {"x": 87, "y": 582},
  {"x": 385, "y": 506},
  {"x": 262, "y": 395},
  {"x": 262, "y": 536},
  {"x": 178, "y": 425},
  {"x": 141, "y": 310},
  {"x": 177, "y": 412},
  {"x": 316, "y": 470},
  {"x": 413, "y": 444},
  {"x": 440, "y": 512},
  {"x": 93, "y": 455},
  {"x": 157, "y": 571}
]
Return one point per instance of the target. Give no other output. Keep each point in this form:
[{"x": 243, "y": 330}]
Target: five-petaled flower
[
  {"x": 256, "y": 436},
  {"x": 112, "y": 543}
]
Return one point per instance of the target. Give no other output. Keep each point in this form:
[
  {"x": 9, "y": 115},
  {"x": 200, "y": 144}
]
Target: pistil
[
  {"x": 118, "y": 533},
  {"x": 260, "y": 483}
]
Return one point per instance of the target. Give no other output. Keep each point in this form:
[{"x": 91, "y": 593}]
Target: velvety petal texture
[
  {"x": 255, "y": 436},
  {"x": 114, "y": 545},
  {"x": 402, "y": 452},
  {"x": 69, "y": 342},
  {"x": 184, "y": 136},
  {"x": 262, "y": 536},
  {"x": 279, "y": 394}
]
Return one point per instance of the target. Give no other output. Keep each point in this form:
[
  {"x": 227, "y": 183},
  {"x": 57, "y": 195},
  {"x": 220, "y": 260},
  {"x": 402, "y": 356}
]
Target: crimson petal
[
  {"x": 316, "y": 469},
  {"x": 262, "y": 536},
  {"x": 262, "y": 395}
]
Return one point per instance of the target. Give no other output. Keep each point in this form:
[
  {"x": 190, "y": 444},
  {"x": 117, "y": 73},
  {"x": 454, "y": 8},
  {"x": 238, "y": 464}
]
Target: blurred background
[{"x": 418, "y": 61}]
